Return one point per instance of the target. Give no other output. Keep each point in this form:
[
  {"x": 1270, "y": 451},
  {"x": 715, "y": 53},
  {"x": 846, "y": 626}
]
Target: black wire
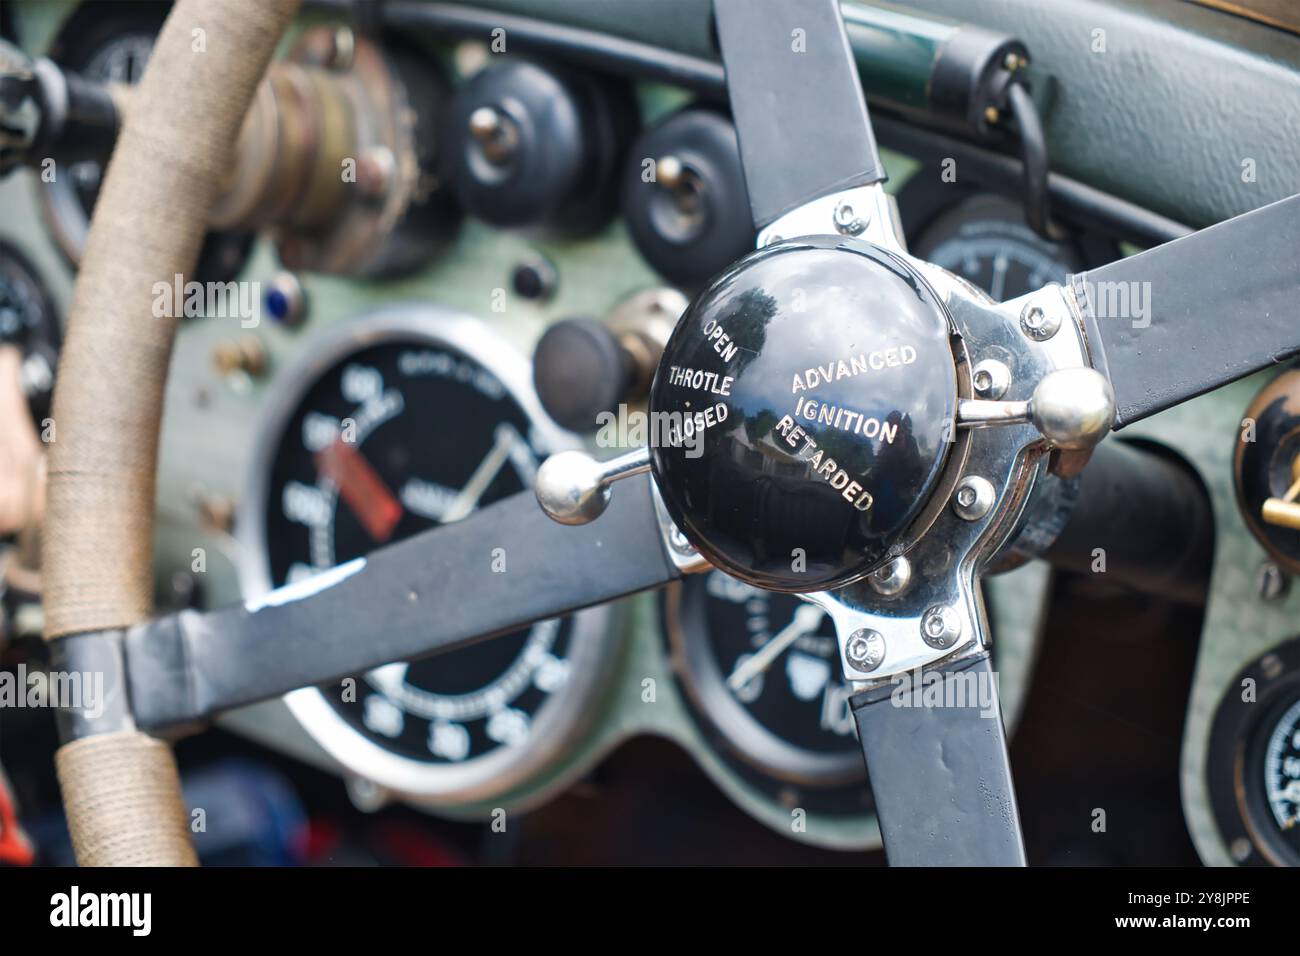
[
  {"x": 1087, "y": 208},
  {"x": 1033, "y": 153}
]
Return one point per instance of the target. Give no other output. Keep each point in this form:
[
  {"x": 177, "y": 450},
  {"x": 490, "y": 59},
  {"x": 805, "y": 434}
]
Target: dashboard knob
[
  {"x": 690, "y": 220},
  {"x": 802, "y": 412},
  {"x": 579, "y": 371},
  {"x": 1266, "y": 469},
  {"x": 539, "y": 147}
]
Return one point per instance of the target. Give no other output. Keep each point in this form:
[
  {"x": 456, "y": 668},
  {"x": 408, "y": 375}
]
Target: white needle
[
  {"x": 467, "y": 500},
  {"x": 806, "y": 620},
  {"x": 998, "y": 285}
]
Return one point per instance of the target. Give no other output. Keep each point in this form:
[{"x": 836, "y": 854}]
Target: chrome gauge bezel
[
  {"x": 752, "y": 743},
  {"x": 1247, "y": 716},
  {"x": 563, "y": 717}
]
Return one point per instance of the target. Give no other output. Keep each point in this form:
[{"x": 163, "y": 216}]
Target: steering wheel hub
[{"x": 805, "y": 405}]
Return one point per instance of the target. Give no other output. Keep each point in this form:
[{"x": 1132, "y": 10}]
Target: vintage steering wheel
[{"x": 838, "y": 420}]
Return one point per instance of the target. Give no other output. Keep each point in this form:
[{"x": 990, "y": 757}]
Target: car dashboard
[{"x": 618, "y": 732}]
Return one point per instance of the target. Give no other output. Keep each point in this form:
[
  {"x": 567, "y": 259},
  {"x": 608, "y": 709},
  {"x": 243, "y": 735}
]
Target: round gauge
[
  {"x": 1254, "y": 760},
  {"x": 400, "y": 422},
  {"x": 1278, "y": 774},
  {"x": 984, "y": 240},
  {"x": 110, "y": 43},
  {"x": 27, "y": 321},
  {"x": 782, "y": 720}
]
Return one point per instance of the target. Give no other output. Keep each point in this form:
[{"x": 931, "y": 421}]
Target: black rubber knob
[
  {"x": 693, "y": 226},
  {"x": 539, "y": 146},
  {"x": 1265, "y": 465},
  {"x": 803, "y": 409},
  {"x": 579, "y": 371}
]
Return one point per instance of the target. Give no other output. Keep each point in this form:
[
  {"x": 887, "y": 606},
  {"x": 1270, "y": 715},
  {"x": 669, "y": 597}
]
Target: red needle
[{"x": 361, "y": 487}]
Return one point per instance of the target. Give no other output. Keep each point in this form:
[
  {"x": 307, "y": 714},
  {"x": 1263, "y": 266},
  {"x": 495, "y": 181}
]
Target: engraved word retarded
[{"x": 825, "y": 466}]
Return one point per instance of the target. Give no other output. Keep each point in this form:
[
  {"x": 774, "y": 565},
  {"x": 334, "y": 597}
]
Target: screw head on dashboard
[
  {"x": 1271, "y": 582},
  {"x": 534, "y": 279}
]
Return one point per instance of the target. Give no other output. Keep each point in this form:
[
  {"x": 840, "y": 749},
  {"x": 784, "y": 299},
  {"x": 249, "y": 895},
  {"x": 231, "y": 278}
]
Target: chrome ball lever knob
[
  {"x": 1074, "y": 408},
  {"x": 574, "y": 488}
]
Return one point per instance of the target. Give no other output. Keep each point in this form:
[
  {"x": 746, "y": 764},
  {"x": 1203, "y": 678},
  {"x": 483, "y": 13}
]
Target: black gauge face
[
  {"x": 984, "y": 240},
  {"x": 391, "y": 440},
  {"x": 1278, "y": 775},
  {"x": 27, "y": 321},
  {"x": 1253, "y": 761},
  {"x": 802, "y": 696},
  {"x": 783, "y": 719}
]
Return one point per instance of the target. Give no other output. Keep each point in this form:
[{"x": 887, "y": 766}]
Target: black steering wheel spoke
[
  {"x": 940, "y": 775},
  {"x": 495, "y": 571},
  {"x": 800, "y": 113},
  {"x": 1197, "y": 313}
]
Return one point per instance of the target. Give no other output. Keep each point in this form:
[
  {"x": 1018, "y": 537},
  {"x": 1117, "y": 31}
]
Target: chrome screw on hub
[
  {"x": 865, "y": 649},
  {"x": 940, "y": 627},
  {"x": 974, "y": 498},
  {"x": 1038, "y": 324}
]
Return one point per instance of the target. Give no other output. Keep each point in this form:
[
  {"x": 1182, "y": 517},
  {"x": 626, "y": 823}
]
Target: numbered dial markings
[
  {"x": 761, "y": 673},
  {"x": 390, "y": 441},
  {"x": 1279, "y": 775}
]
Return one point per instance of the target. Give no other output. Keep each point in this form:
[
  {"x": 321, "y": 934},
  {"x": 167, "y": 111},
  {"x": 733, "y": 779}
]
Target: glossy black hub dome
[{"x": 802, "y": 412}]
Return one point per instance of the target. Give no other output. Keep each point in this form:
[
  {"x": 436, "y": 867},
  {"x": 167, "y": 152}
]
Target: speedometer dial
[{"x": 406, "y": 421}]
